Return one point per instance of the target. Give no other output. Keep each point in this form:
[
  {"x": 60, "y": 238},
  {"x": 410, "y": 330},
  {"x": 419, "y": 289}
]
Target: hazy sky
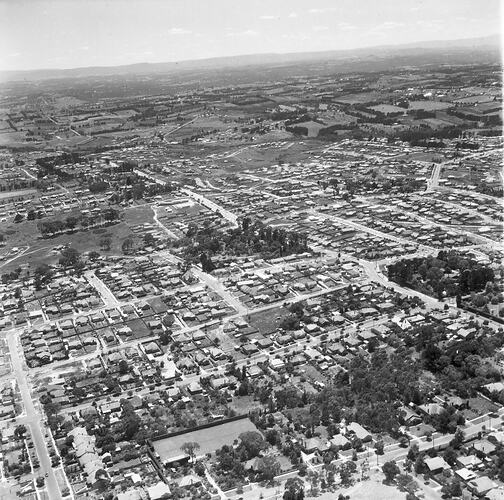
[{"x": 73, "y": 33}]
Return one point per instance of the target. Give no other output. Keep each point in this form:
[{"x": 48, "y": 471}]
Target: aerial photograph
[{"x": 251, "y": 249}]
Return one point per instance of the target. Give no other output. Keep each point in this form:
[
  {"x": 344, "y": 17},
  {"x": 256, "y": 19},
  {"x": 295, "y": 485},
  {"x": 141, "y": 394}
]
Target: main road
[{"x": 33, "y": 419}]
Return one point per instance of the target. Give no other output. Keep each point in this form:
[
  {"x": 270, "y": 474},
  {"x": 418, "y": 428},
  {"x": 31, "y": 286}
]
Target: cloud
[
  {"x": 322, "y": 11},
  {"x": 293, "y": 15},
  {"x": 431, "y": 24},
  {"x": 243, "y": 33},
  {"x": 320, "y": 28},
  {"x": 267, "y": 18},
  {"x": 346, "y": 26},
  {"x": 179, "y": 31},
  {"x": 391, "y": 25},
  {"x": 296, "y": 36}
]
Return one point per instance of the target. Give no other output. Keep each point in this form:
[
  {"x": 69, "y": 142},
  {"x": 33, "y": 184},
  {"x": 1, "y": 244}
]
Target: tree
[
  {"x": 123, "y": 367},
  {"x": 357, "y": 444},
  {"x": 458, "y": 439},
  {"x": 290, "y": 322},
  {"x": 105, "y": 243},
  {"x": 98, "y": 186},
  {"x": 43, "y": 274},
  {"x": 199, "y": 468},
  {"x": 148, "y": 239},
  {"x": 252, "y": 442},
  {"x": 346, "y": 470},
  {"x": 127, "y": 245},
  {"x": 71, "y": 222},
  {"x": 450, "y": 456},
  {"x": 314, "y": 478},
  {"x": 206, "y": 263},
  {"x": 164, "y": 338},
  {"x": 20, "y": 431},
  {"x": 269, "y": 467},
  {"x": 451, "y": 489},
  {"x": 413, "y": 451},
  {"x": 390, "y": 469},
  {"x": 69, "y": 257},
  {"x": 403, "y": 441},
  {"x": 379, "y": 445},
  {"x": 273, "y": 437},
  {"x": 93, "y": 255},
  {"x": 294, "y": 489},
  {"x": 406, "y": 483},
  {"x": 130, "y": 421},
  {"x": 190, "y": 448},
  {"x": 420, "y": 463}
]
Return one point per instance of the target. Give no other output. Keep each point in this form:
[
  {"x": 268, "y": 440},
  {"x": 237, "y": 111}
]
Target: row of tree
[{"x": 54, "y": 227}]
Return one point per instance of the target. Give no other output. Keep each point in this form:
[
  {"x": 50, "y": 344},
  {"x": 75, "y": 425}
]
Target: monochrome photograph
[{"x": 251, "y": 250}]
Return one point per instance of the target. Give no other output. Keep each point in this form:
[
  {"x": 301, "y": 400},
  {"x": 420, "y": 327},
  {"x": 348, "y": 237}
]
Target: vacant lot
[
  {"x": 368, "y": 489},
  {"x": 479, "y": 406},
  {"x": 267, "y": 321},
  {"x": 23, "y": 193}
]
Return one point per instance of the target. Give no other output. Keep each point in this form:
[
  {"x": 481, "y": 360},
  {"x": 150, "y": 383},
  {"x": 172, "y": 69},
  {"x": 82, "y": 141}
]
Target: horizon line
[{"x": 408, "y": 44}]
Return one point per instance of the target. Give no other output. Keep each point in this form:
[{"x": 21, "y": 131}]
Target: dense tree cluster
[
  {"x": 424, "y": 135},
  {"x": 360, "y": 184},
  {"x": 450, "y": 274},
  {"x": 229, "y": 468},
  {"x": 251, "y": 237},
  {"x": 376, "y": 389},
  {"x": 12, "y": 275},
  {"x": 464, "y": 366},
  {"x": 48, "y": 165},
  {"x": 43, "y": 275},
  {"x": 134, "y": 187}
]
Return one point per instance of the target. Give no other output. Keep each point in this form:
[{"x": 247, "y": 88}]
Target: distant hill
[{"x": 489, "y": 44}]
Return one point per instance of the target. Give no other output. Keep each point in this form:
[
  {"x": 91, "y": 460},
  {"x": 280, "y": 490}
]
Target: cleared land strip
[{"x": 212, "y": 206}]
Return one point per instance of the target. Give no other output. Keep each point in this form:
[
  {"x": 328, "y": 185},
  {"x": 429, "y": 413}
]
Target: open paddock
[{"x": 429, "y": 105}]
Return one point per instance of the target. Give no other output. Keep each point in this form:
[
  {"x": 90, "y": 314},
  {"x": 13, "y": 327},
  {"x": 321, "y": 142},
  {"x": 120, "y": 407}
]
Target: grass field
[
  {"x": 26, "y": 234},
  {"x": 209, "y": 440},
  {"x": 387, "y": 109},
  {"x": 267, "y": 321},
  {"x": 138, "y": 215}
]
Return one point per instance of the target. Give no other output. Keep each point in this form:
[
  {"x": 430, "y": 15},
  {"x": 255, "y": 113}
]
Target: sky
[{"x": 36, "y": 34}]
